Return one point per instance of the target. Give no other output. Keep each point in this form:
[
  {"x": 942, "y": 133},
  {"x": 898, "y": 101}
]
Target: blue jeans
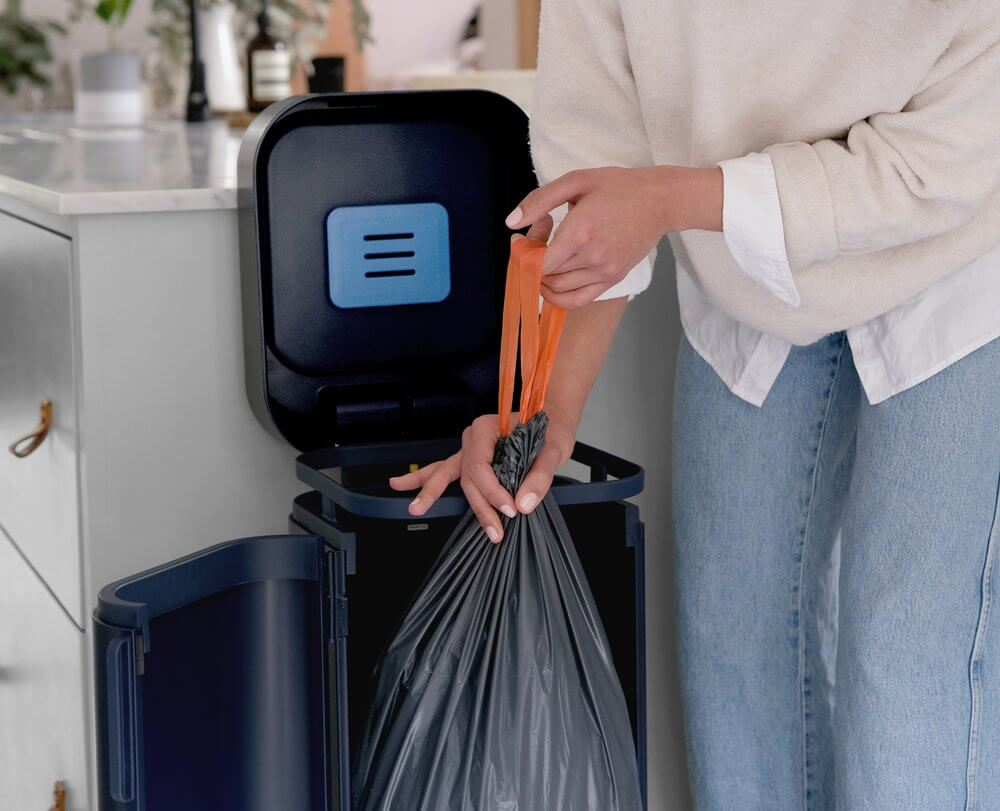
[{"x": 836, "y": 573}]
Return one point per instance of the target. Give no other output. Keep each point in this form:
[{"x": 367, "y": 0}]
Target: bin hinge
[
  {"x": 338, "y": 617},
  {"x": 635, "y": 530},
  {"x": 336, "y": 587}
]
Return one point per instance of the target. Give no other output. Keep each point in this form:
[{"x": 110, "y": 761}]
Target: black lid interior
[{"x": 346, "y": 373}]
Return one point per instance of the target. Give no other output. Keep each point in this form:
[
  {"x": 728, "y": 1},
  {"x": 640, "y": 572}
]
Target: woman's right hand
[{"x": 473, "y": 465}]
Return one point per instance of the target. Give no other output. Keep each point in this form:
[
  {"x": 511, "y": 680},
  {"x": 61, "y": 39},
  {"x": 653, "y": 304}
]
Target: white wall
[
  {"x": 408, "y": 35},
  {"x": 498, "y": 23},
  {"x": 630, "y": 413}
]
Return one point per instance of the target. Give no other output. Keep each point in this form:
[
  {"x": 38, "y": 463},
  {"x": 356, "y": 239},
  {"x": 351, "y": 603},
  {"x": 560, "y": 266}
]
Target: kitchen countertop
[{"x": 50, "y": 162}]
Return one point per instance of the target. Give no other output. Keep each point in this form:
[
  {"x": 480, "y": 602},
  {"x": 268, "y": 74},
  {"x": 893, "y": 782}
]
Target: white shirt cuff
[
  {"x": 752, "y": 225},
  {"x": 635, "y": 281}
]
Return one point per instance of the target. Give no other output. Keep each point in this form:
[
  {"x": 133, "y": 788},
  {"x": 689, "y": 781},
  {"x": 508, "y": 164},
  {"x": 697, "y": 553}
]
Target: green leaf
[
  {"x": 106, "y": 10},
  {"x": 23, "y": 48},
  {"x": 113, "y": 12}
]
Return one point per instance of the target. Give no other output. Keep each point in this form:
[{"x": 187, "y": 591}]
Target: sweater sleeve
[
  {"x": 586, "y": 108},
  {"x": 899, "y": 177}
]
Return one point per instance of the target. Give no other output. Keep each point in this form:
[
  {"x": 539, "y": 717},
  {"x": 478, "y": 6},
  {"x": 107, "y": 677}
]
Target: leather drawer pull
[{"x": 27, "y": 444}]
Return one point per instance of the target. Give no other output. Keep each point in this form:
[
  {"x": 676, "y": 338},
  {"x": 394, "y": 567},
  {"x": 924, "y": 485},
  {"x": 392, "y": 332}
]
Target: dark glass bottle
[{"x": 269, "y": 66}]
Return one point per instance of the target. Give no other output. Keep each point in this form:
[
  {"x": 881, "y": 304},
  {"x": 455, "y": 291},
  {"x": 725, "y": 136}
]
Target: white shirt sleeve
[
  {"x": 635, "y": 281},
  {"x": 752, "y": 224}
]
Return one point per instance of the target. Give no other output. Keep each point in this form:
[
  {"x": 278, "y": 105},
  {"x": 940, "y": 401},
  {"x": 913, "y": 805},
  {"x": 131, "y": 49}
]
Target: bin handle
[{"x": 121, "y": 719}]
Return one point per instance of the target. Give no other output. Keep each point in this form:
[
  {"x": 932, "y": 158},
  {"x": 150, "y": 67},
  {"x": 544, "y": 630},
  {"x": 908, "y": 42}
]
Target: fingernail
[
  {"x": 528, "y": 502},
  {"x": 492, "y": 534},
  {"x": 514, "y": 217},
  {"x": 509, "y": 511},
  {"x": 415, "y": 504}
]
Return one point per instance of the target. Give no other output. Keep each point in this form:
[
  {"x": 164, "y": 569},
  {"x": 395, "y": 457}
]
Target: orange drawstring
[{"x": 539, "y": 336}]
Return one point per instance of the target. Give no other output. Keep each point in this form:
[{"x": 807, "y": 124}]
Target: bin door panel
[{"x": 216, "y": 697}]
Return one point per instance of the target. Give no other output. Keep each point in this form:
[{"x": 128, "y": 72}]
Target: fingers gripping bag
[{"x": 498, "y": 691}]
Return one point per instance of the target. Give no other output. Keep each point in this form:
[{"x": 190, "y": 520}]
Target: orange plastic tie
[
  {"x": 530, "y": 272},
  {"x": 508, "y": 343},
  {"x": 552, "y": 322}
]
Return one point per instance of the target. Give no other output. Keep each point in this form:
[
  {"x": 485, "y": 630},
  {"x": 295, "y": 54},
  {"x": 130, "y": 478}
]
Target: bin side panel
[
  {"x": 615, "y": 571},
  {"x": 233, "y": 702}
]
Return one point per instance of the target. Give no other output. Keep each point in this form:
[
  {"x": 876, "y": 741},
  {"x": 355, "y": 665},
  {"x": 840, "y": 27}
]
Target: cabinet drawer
[
  {"x": 39, "y": 493},
  {"x": 42, "y": 709}
]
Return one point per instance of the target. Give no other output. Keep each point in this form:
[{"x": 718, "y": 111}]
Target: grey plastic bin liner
[{"x": 498, "y": 691}]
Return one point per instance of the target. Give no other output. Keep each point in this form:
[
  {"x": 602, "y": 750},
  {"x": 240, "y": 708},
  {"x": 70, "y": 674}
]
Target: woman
[{"x": 828, "y": 174}]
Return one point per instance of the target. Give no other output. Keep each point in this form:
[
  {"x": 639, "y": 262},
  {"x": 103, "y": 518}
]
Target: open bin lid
[{"x": 373, "y": 252}]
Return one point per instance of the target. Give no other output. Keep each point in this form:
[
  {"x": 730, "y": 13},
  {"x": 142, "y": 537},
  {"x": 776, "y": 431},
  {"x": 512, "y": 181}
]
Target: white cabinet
[
  {"x": 130, "y": 322},
  {"x": 38, "y": 493},
  {"x": 42, "y": 702},
  {"x": 120, "y": 303}
]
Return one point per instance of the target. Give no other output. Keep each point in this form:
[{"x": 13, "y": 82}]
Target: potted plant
[
  {"x": 109, "y": 90},
  {"x": 24, "y": 49}
]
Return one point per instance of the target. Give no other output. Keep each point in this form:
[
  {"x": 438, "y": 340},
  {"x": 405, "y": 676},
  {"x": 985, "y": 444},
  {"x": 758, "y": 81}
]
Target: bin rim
[
  {"x": 628, "y": 477},
  {"x": 133, "y": 601}
]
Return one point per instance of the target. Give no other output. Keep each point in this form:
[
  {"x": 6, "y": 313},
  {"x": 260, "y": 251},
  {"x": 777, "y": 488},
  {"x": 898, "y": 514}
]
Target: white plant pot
[
  {"x": 223, "y": 71},
  {"x": 109, "y": 90}
]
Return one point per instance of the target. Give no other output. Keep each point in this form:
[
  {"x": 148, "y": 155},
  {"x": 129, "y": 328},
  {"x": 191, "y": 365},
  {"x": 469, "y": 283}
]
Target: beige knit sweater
[{"x": 882, "y": 119}]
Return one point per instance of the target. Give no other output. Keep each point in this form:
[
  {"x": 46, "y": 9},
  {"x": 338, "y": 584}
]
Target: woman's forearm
[{"x": 586, "y": 339}]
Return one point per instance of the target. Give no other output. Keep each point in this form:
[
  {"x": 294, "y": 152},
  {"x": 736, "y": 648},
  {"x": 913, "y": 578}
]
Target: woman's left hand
[{"x": 616, "y": 217}]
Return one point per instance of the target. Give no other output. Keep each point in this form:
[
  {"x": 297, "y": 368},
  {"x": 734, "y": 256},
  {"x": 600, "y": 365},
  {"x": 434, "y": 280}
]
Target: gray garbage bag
[{"x": 498, "y": 691}]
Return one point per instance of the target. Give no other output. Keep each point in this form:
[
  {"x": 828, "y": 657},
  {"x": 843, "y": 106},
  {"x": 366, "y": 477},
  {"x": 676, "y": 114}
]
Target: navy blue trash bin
[{"x": 240, "y": 677}]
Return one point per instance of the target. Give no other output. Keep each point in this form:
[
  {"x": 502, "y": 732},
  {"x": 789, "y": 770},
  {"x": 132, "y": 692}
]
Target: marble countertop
[{"x": 50, "y": 162}]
